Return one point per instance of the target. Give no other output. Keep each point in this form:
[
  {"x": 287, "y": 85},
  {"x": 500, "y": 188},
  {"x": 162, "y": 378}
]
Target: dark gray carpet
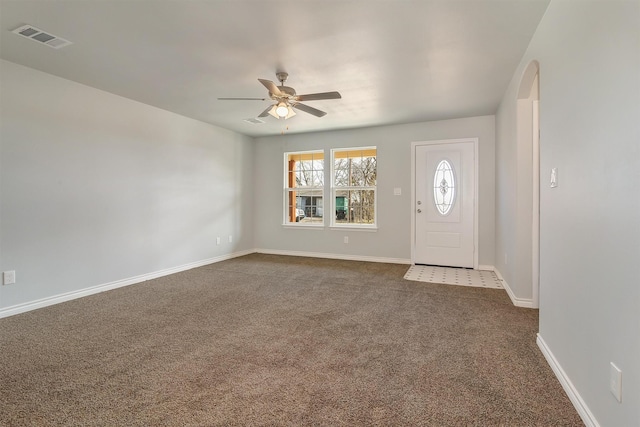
[{"x": 274, "y": 340}]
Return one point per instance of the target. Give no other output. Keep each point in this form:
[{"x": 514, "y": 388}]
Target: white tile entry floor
[{"x": 454, "y": 276}]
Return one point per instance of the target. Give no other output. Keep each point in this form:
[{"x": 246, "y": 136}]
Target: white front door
[{"x": 444, "y": 200}]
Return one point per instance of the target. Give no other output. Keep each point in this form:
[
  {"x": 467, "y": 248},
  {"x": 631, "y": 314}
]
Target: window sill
[
  {"x": 367, "y": 228},
  {"x": 304, "y": 226}
]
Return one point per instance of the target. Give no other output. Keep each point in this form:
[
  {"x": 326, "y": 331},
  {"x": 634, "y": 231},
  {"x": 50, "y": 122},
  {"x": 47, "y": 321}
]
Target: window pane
[
  {"x": 318, "y": 178},
  {"x": 341, "y": 177},
  {"x": 357, "y": 174},
  {"x": 370, "y": 168},
  {"x": 342, "y": 206},
  {"x": 295, "y": 157},
  {"x": 306, "y": 178},
  {"x": 340, "y": 171},
  {"x": 304, "y": 206},
  {"x": 313, "y": 211},
  {"x": 362, "y": 206},
  {"x": 291, "y": 164}
]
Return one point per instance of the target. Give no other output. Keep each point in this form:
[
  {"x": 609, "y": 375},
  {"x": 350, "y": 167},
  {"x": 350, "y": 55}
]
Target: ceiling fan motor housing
[{"x": 288, "y": 91}]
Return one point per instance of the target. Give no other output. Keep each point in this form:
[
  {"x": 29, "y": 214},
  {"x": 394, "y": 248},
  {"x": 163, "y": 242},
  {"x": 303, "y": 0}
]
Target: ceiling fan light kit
[
  {"x": 286, "y": 99},
  {"x": 282, "y": 110}
]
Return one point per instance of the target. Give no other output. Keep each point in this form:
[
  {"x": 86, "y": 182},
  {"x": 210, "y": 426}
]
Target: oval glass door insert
[{"x": 444, "y": 187}]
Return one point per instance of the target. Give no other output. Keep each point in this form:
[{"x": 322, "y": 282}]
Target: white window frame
[
  {"x": 334, "y": 189},
  {"x": 288, "y": 189}
]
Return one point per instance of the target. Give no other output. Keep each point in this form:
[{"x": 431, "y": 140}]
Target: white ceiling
[{"x": 393, "y": 61}]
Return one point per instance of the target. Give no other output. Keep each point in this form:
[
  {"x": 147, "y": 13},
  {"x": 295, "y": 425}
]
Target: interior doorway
[{"x": 528, "y": 179}]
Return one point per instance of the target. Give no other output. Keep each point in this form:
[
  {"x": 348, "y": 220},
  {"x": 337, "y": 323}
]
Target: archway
[{"x": 528, "y": 179}]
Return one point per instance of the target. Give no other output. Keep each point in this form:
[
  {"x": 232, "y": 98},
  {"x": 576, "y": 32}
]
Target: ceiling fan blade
[
  {"x": 309, "y": 110},
  {"x": 266, "y": 112},
  {"x": 318, "y": 96},
  {"x": 242, "y": 99},
  {"x": 271, "y": 87}
]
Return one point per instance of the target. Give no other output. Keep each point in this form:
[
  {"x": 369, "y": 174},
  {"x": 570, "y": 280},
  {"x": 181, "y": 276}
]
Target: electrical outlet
[
  {"x": 615, "y": 382},
  {"x": 218, "y": 240},
  {"x": 9, "y": 277},
  {"x": 230, "y": 239},
  {"x": 346, "y": 239}
]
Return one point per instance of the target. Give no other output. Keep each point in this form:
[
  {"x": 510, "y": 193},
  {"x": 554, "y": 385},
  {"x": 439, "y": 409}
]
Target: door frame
[
  {"x": 416, "y": 144},
  {"x": 535, "y": 226}
]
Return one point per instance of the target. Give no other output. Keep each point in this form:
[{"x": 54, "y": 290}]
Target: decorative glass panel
[{"x": 444, "y": 187}]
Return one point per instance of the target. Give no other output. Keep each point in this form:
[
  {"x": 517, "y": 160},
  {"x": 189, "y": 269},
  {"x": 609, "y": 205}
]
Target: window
[
  {"x": 354, "y": 186},
  {"x": 444, "y": 187},
  {"x": 304, "y": 187}
]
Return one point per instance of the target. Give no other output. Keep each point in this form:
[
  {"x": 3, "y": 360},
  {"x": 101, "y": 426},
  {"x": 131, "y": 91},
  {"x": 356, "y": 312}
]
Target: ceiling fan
[{"x": 286, "y": 99}]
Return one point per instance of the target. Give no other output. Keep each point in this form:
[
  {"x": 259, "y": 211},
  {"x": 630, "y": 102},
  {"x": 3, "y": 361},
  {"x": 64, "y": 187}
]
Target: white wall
[
  {"x": 589, "y": 56},
  {"x": 392, "y": 241},
  {"x": 96, "y": 188}
]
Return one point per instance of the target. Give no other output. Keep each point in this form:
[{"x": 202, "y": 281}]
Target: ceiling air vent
[
  {"x": 35, "y": 34},
  {"x": 255, "y": 121}
]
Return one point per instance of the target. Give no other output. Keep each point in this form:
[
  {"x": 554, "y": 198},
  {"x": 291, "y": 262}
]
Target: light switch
[
  {"x": 397, "y": 191},
  {"x": 554, "y": 177}
]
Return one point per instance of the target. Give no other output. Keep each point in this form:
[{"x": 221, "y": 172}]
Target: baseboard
[
  {"x": 335, "y": 256},
  {"x": 584, "y": 412},
  {"x": 56, "y": 299},
  {"x": 518, "y": 302}
]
